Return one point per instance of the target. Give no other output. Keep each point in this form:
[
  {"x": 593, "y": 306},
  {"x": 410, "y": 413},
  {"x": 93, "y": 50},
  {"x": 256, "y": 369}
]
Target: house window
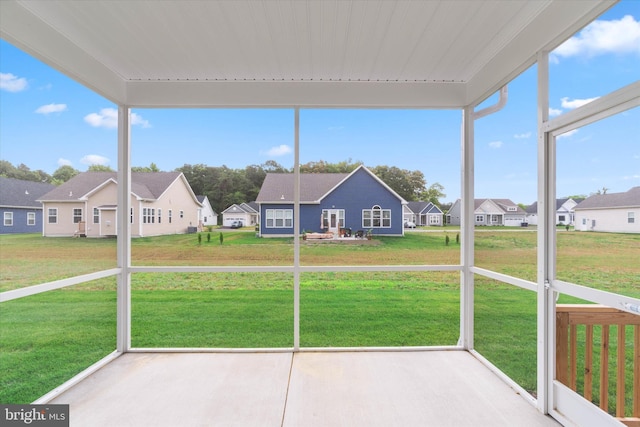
[
  {"x": 96, "y": 216},
  {"x": 279, "y": 218},
  {"x": 53, "y": 216},
  {"x": 131, "y": 215},
  {"x": 181, "y": 214},
  {"x": 631, "y": 217},
  {"x": 8, "y": 219},
  {"x": 77, "y": 215},
  {"x": 170, "y": 214},
  {"x": 434, "y": 220},
  {"x": 148, "y": 215},
  {"x": 512, "y": 209},
  {"x": 31, "y": 218},
  {"x": 159, "y": 215},
  {"x": 561, "y": 218},
  {"x": 479, "y": 218},
  {"x": 376, "y": 217}
]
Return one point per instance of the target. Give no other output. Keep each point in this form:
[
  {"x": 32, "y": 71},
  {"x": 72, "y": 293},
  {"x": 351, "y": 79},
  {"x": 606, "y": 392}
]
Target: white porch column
[
  {"x": 466, "y": 230},
  {"x": 123, "y": 340},
  {"x": 546, "y": 241},
  {"x": 296, "y": 232}
]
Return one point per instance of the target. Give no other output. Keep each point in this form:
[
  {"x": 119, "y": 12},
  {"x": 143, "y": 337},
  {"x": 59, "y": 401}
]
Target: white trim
[
  {"x": 621, "y": 302},
  {"x": 57, "y": 284},
  {"x": 290, "y": 268},
  {"x": 77, "y": 378},
  {"x": 574, "y": 409},
  {"x": 521, "y": 283}
]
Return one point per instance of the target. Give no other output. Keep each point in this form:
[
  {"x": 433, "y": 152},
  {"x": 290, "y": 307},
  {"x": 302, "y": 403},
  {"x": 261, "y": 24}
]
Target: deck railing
[{"x": 570, "y": 320}]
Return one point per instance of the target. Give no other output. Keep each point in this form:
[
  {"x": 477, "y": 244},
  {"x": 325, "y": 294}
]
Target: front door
[{"x": 334, "y": 221}]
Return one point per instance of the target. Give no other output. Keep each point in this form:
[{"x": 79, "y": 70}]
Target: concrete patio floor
[{"x": 403, "y": 388}]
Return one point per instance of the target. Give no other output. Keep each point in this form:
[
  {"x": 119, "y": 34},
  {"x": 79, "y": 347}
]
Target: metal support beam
[
  {"x": 123, "y": 227},
  {"x": 466, "y": 231},
  {"x": 546, "y": 241}
]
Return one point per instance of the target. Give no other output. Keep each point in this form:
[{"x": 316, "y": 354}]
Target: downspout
[{"x": 467, "y": 260}]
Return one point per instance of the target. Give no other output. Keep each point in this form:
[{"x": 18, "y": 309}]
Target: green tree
[
  {"x": 64, "y": 174},
  {"x": 99, "y": 168},
  {"x": 151, "y": 168}
]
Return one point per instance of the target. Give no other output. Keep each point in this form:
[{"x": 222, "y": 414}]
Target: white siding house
[
  {"x": 564, "y": 211},
  {"x": 614, "y": 213}
]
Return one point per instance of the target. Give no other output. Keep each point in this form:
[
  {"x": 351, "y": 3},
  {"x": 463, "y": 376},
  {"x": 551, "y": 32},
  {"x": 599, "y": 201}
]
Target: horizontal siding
[{"x": 20, "y": 221}]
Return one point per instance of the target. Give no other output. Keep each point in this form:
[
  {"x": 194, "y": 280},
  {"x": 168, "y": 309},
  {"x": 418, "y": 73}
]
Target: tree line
[{"x": 225, "y": 186}]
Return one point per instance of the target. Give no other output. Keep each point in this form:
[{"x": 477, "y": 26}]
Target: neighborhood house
[
  {"x": 161, "y": 203},
  {"x": 490, "y": 212},
  {"x": 423, "y": 214},
  {"x": 329, "y": 202},
  {"x": 247, "y": 213},
  {"x": 614, "y": 212},
  {"x": 207, "y": 215},
  {"x": 564, "y": 211},
  {"x": 21, "y": 210}
]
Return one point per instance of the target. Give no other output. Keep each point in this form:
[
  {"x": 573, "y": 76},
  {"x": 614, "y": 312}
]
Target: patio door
[{"x": 333, "y": 219}]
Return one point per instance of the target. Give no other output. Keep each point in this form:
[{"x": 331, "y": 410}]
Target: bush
[
  {"x": 221, "y": 238},
  {"x": 446, "y": 240}
]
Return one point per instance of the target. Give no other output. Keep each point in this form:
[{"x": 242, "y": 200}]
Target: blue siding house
[
  {"x": 330, "y": 201},
  {"x": 20, "y": 211}
]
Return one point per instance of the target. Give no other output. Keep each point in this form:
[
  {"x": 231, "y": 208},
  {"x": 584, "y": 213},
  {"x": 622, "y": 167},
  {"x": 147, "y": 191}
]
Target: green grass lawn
[{"x": 47, "y": 338}]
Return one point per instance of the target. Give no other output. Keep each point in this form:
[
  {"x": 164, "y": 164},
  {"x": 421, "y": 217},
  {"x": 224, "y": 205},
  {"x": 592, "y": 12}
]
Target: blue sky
[{"x": 48, "y": 120}]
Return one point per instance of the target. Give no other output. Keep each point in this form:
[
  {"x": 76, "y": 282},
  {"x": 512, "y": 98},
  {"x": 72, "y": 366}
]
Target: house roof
[
  {"x": 278, "y": 187},
  {"x": 423, "y": 207},
  {"x": 242, "y": 207},
  {"x": 19, "y": 193},
  {"x": 533, "y": 208},
  {"x": 629, "y": 198},
  {"x": 146, "y": 185},
  {"x": 322, "y": 53}
]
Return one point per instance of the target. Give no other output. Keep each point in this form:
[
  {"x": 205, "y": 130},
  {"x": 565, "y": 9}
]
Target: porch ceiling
[{"x": 325, "y": 53}]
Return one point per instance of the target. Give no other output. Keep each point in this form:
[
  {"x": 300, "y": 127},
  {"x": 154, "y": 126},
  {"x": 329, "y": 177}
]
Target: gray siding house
[
  {"x": 21, "y": 211},
  {"x": 490, "y": 212}
]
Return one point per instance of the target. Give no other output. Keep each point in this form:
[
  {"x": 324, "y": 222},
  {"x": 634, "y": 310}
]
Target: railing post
[{"x": 562, "y": 341}]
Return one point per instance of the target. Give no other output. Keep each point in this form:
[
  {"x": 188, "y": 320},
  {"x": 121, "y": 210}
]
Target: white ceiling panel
[{"x": 351, "y": 53}]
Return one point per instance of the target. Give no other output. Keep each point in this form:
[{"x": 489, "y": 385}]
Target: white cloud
[
  {"x": 554, "y": 112},
  {"x": 51, "y": 108},
  {"x": 12, "y": 83},
  {"x": 64, "y": 162},
  {"x": 495, "y": 144},
  {"x": 280, "y": 150},
  {"x": 620, "y": 36},
  {"x": 108, "y": 118},
  {"x": 94, "y": 159},
  {"x": 630, "y": 177},
  {"x": 138, "y": 120},
  {"x": 568, "y": 134},
  {"x": 575, "y": 103},
  {"x": 522, "y": 135}
]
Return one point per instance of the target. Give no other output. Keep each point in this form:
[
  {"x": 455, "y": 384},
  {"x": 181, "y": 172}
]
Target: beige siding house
[
  {"x": 161, "y": 203},
  {"x": 613, "y": 212}
]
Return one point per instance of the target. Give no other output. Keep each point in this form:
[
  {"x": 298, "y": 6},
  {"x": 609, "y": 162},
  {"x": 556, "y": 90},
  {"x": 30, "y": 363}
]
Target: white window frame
[
  {"x": 8, "y": 219},
  {"x": 434, "y": 219},
  {"x": 279, "y": 218},
  {"x": 376, "y": 217},
  {"x": 96, "y": 215},
  {"x": 52, "y": 213},
  {"x": 131, "y": 215},
  {"x": 159, "y": 215},
  {"x": 325, "y": 217},
  {"x": 148, "y": 215},
  {"x": 480, "y": 218},
  {"x": 631, "y": 217},
  {"x": 77, "y": 215},
  {"x": 181, "y": 214},
  {"x": 31, "y": 218},
  {"x": 170, "y": 215}
]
